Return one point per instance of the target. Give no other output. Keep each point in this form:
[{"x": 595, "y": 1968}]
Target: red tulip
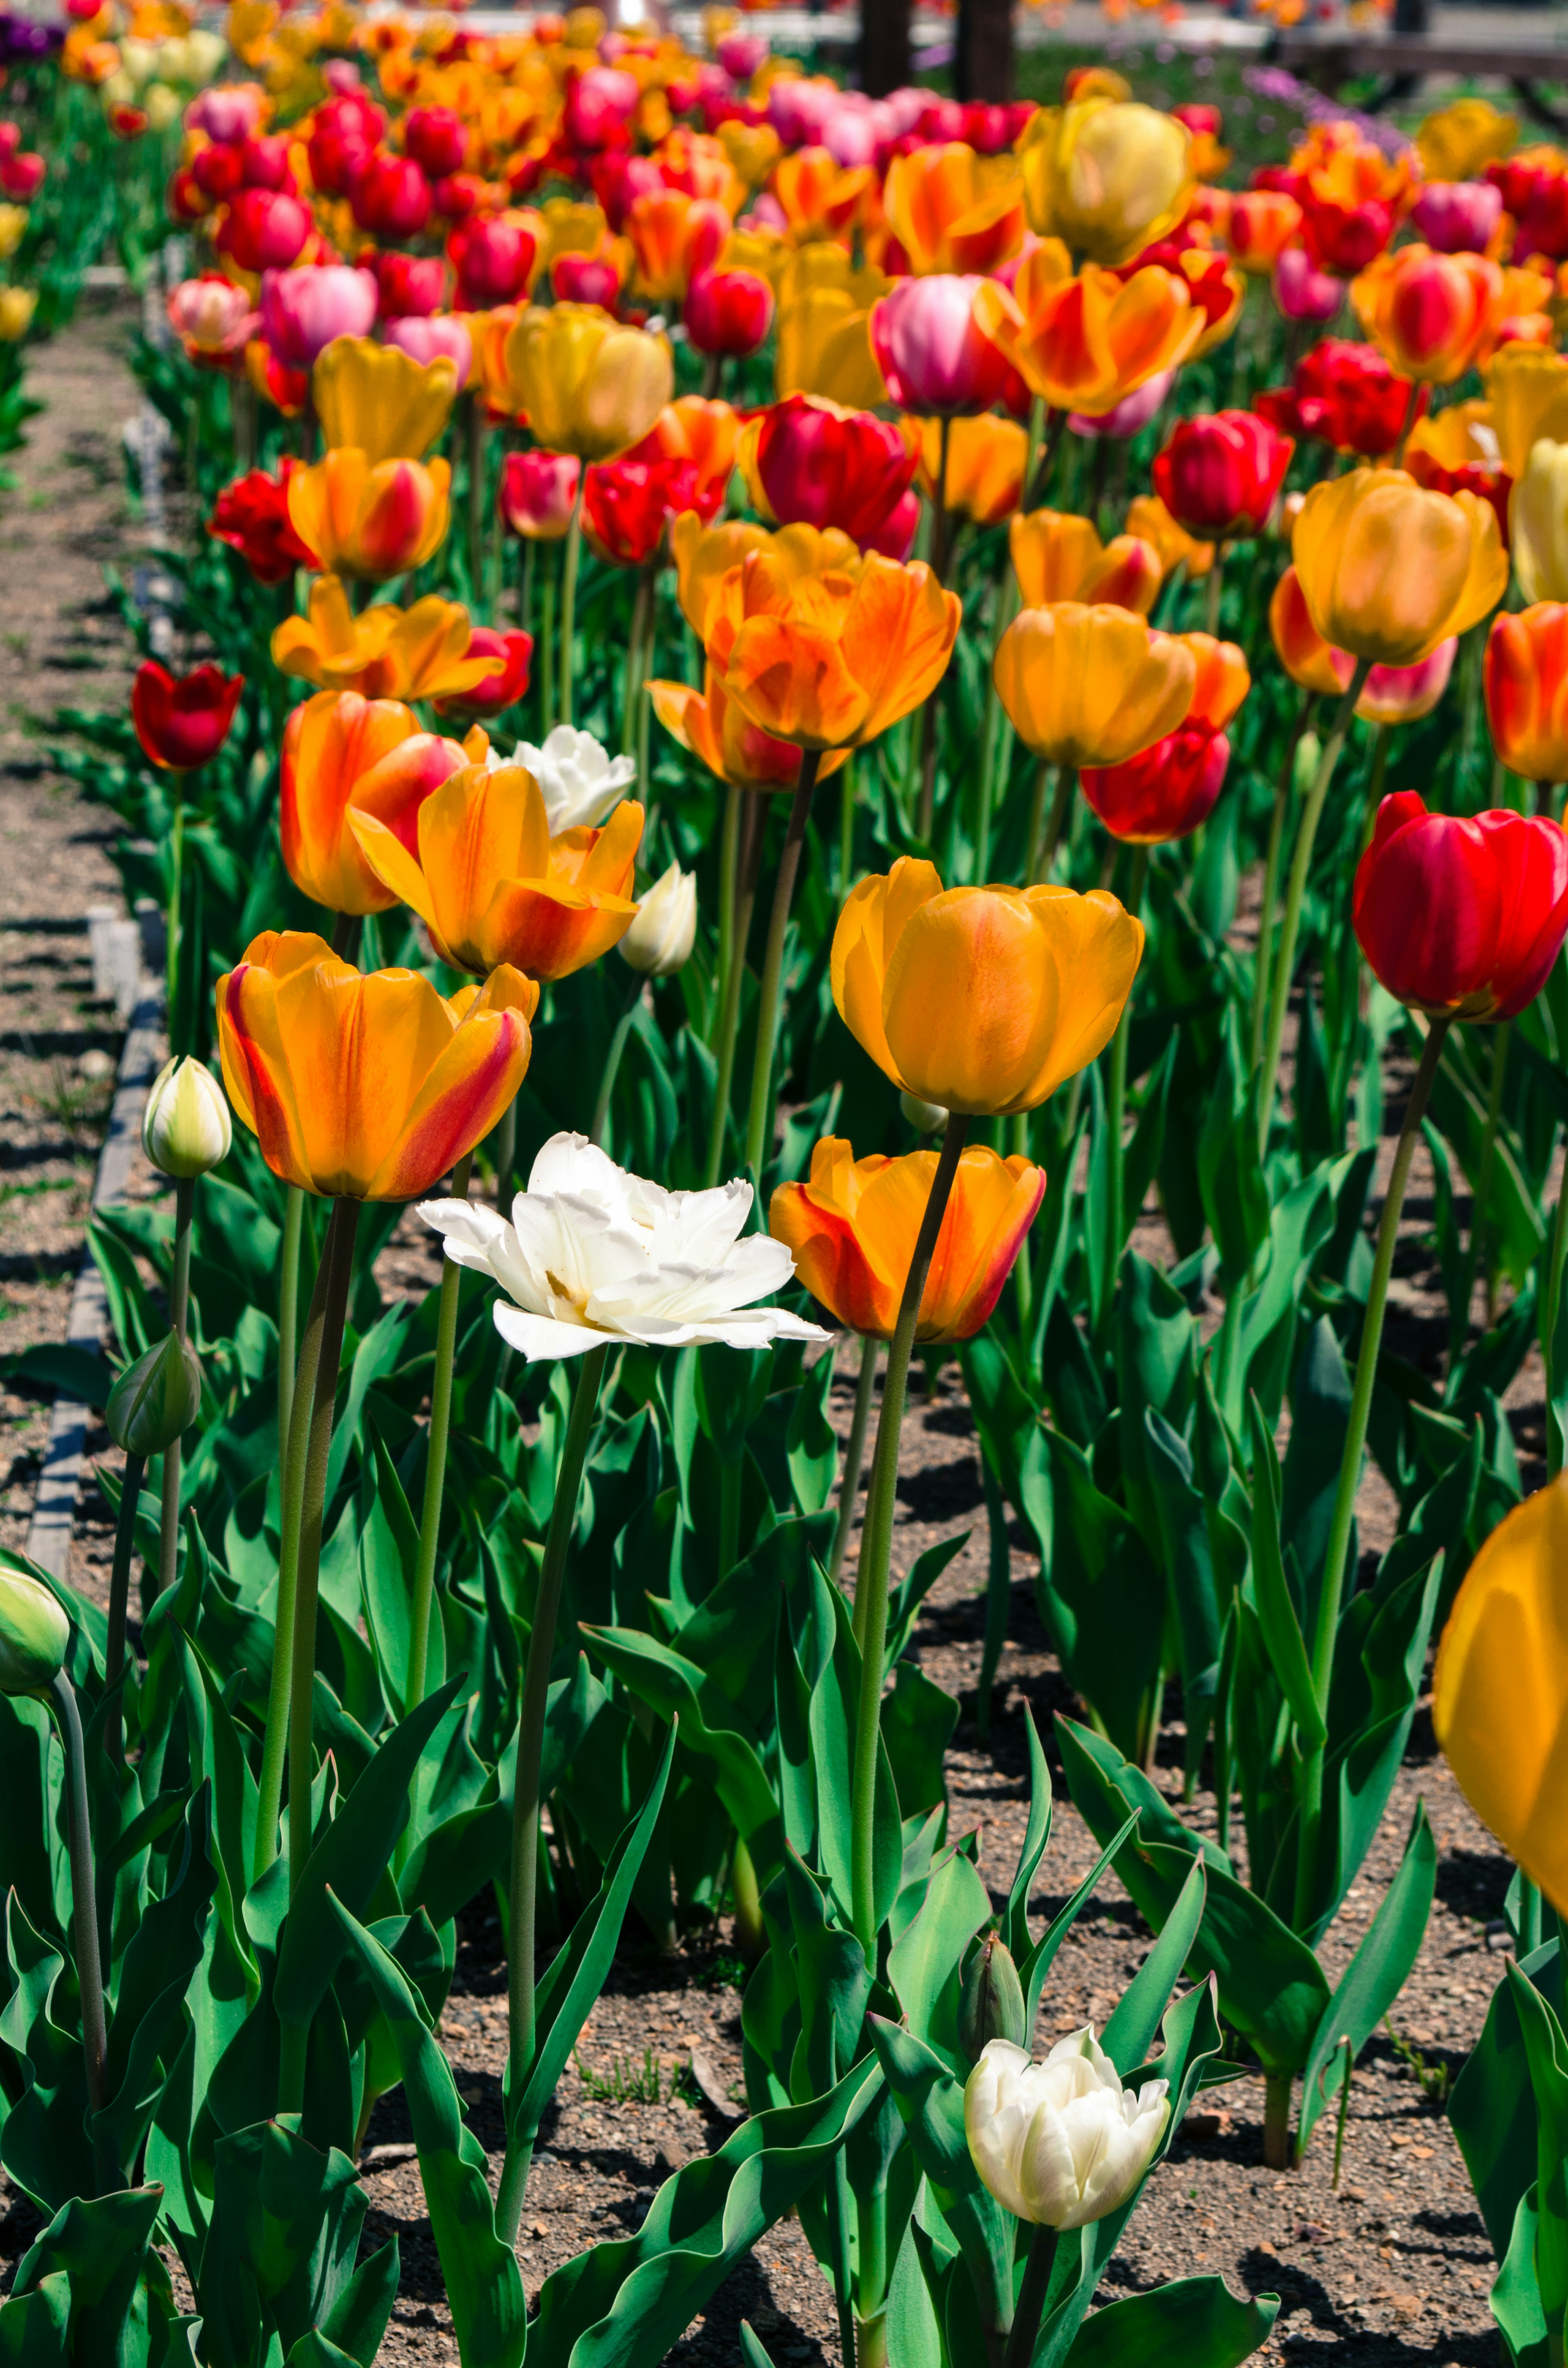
[
  {"x": 342, "y": 141},
  {"x": 1534, "y": 191},
  {"x": 1218, "y": 474},
  {"x": 618, "y": 179},
  {"x": 1344, "y": 395},
  {"x": 457, "y": 195},
  {"x": 21, "y": 175},
  {"x": 492, "y": 258},
  {"x": 391, "y": 197},
  {"x": 1163, "y": 792},
  {"x": 263, "y": 163},
  {"x": 1343, "y": 235},
  {"x": 182, "y": 724},
  {"x": 538, "y": 490},
  {"x": 513, "y": 653},
  {"x": 185, "y": 199},
  {"x": 412, "y": 286},
  {"x": 435, "y": 138},
  {"x": 264, "y": 230},
  {"x": 252, "y": 517},
  {"x": 599, "y": 107},
  {"x": 930, "y": 349},
  {"x": 728, "y": 312},
  {"x": 218, "y": 171},
  {"x": 628, "y": 503},
  {"x": 1458, "y": 217},
  {"x": 1463, "y": 919},
  {"x": 808, "y": 463},
  {"x": 586, "y": 280}
]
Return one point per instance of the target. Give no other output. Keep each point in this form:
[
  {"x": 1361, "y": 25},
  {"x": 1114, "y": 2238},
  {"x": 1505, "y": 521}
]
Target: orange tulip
[
  {"x": 340, "y": 750},
  {"x": 986, "y": 460},
  {"x": 1059, "y": 556},
  {"x": 704, "y": 555},
  {"x": 1087, "y": 686},
  {"x": 692, "y": 429},
  {"x": 380, "y": 401},
  {"x": 674, "y": 237},
  {"x": 1388, "y": 571},
  {"x": 952, "y": 210},
  {"x": 982, "y": 1001},
  {"x": 831, "y": 657},
  {"x": 1306, "y": 658},
  {"x": 820, "y": 198},
  {"x": 1222, "y": 680},
  {"x": 1526, "y": 680},
  {"x": 1429, "y": 315},
  {"x": 1147, "y": 518},
  {"x": 368, "y": 1088},
  {"x": 370, "y": 520},
  {"x": 852, "y": 1228},
  {"x": 1259, "y": 227},
  {"x": 713, "y": 728},
  {"x": 492, "y": 885},
  {"x": 384, "y": 651},
  {"x": 1085, "y": 343}
]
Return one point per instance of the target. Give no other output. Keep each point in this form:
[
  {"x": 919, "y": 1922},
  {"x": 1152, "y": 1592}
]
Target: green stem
[
  {"x": 288, "y": 1307},
  {"x": 526, "y": 585},
  {"x": 1031, "y": 2299},
  {"x": 1042, "y": 849},
  {"x": 871, "y": 2267},
  {"x": 1300, "y": 864},
  {"x": 853, "y": 1455},
  {"x": 612, "y": 1058},
  {"x": 1460, "y": 1316},
  {"x": 750, "y": 864},
  {"x": 83, "y": 1907},
  {"x": 729, "y": 859},
  {"x": 1277, "y": 2086},
  {"x": 179, "y": 1303},
  {"x": 436, "y": 1459},
  {"x": 176, "y": 906},
  {"x": 1213, "y": 589},
  {"x": 1261, "y": 963},
  {"x": 1333, "y": 1588},
  {"x": 994, "y": 731},
  {"x": 525, "y": 1800},
  {"x": 845, "y": 825},
  {"x": 569, "y": 595},
  {"x": 636, "y": 664},
  {"x": 546, "y": 670},
  {"x": 732, "y": 1483},
  {"x": 506, "y": 1154},
  {"x": 1116, "y": 1112},
  {"x": 773, "y": 960},
  {"x": 876, "y": 1540},
  {"x": 1375, "y": 779},
  {"x": 338, "y": 1261},
  {"x": 476, "y": 503},
  {"x": 119, "y": 1599},
  {"x": 938, "y": 569}
]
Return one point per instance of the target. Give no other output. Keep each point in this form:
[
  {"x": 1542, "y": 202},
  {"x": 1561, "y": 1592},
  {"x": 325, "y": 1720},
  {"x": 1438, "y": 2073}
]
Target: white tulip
[
  {"x": 595, "y": 1255},
  {"x": 205, "y": 54},
  {"x": 1060, "y": 2143},
  {"x": 185, "y": 1127},
  {"x": 660, "y": 940},
  {"x": 579, "y": 781}
]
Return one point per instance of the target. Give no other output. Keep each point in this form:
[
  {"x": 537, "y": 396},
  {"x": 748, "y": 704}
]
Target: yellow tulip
[
  {"x": 13, "y": 222},
  {"x": 1148, "y": 518},
  {"x": 1456, "y": 142},
  {"x": 384, "y": 651},
  {"x": 380, "y": 400},
  {"x": 1091, "y": 686},
  {"x": 824, "y": 328},
  {"x": 588, "y": 385},
  {"x": 1388, "y": 570},
  {"x": 1528, "y": 387},
  {"x": 1107, "y": 175},
  {"x": 1058, "y": 556},
  {"x": 1537, "y": 523},
  {"x": 986, "y": 458},
  {"x": 17, "y": 308}
]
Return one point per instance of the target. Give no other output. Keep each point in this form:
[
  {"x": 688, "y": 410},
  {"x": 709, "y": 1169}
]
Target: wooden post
[
  {"x": 885, "y": 61},
  {"x": 983, "y": 67}
]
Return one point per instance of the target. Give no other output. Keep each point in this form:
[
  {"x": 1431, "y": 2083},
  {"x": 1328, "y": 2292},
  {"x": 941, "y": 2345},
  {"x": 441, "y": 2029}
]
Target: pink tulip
[
  {"x": 1303, "y": 293},
  {"x": 1404, "y": 694},
  {"x": 928, "y": 349},
  {"x": 1458, "y": 217},
  {"x": 538, "y": 490},
  {"x": 740, "y": 54},
  {"x": 232, "y": 113},
  {"x": 599, "y": 104},
  {"x": 303, "y": 311},
  {"x": 1133, "y": 412},
  {"x": 586, "y": 280},
  {"x": 424, "y": 336},
  {"x": 210, "y": 316}
]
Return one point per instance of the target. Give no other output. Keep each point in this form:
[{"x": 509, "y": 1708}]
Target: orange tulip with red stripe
[
  {"x": 693, "y": 429},
  {"x": 986, "y": 460},
  {"x": 820, "y": 198},
  {"x": 492, "y": 885},
  {"x": 674, "y": 237},
  {"x": 1085, "y": 343},
  {"x": 1429, "y": 315},
  {"x": 713, "y": 728},
  {"x": 368, "y": 1088},
  {"x": 1057, "y": 555},
  {"x": 366, "y": 519},
  {"x": 340, "y": 750},
  {"x": 1222, "y": 680},
  {"x": 851, "y": 1229},
  {"x": 953, "y": 211},
  {"x": 1526, "y": 681}
]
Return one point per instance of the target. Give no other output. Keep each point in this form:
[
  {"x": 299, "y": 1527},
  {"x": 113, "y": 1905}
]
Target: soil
[{"x": 1393, "y": 2266}]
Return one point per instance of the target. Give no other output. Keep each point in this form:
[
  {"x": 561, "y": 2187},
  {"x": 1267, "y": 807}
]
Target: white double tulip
[
  {"x": 1060, "y": 2143},
  {"x": 579, "y": 781}
]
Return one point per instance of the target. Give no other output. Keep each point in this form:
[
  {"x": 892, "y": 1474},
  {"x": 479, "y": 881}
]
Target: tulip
[
  {"x": 303, "y": 310},
  {"x": 374, "y": 521},
  {"x": 494, "y": 259},
  {"x": 379, "y": 401},
  {"x": 714, "y": 729},
  {"x": 539, "y": 493},
  {"x": 1107, "y": 176},
  {"x": 1500, "y": 1684},
  {"x": 1430, "y": 315},
  {"x": 1163, "y": 794},
  {"x": 1130, "y": 415},
  {"x": 1388, "y": 572},
  {"x": 1526, "y": 682},
  {"x": 1084, "y": 344},
  {"x": 820, "y": 198},
  {"x": 674, "y": 238},
  {"x": 1341, "y": 233},
  {"x": 1060, "y": 2143},
  {"x": 490, "y": 883},
  {"x": 182, "y": 724},
  {"x": 1345, "y": 394},
  {"x": 390, "y": 197},
  {"x": 1302, "y": 291},
  {"x": 1404, "y": 694},
  {"x": 706, "y": 433},
  {"x": 287, "y": 391},
  {"x": 728, "y": 312},
  {"x": 851, "y": 1230},
  {"x": 436, "y": 138},
  {"x": 35, "y": 1634},
  {"x": 1537, "y": 520},
  {"x": 213, "y": 320},
  {"x": 252, "y": 517},
  {"x": 931, "y": 353},
  {"x": 950, "y": 211},
  {"x": 428, "y": 337},
  {"x": 340, "y": 146},
  {"x": 991, "y": 2004},
  {"x": 155, "y": 1399},
  {"x": 1059, "y": 556},
  {"x": 1149, "y": 520},
  {"x": 410, "y": 286},
  {"x": 382, "y": 653},
  {"x": 824, "y": 329},
  {"x": 1462, "y": 919},
  {"x": 340, "y": 750},
  {"x": 1259, "y": 227},
  {"x": 264, "y": 230},
  {"x": 1461, "y": 137},
  {"x": 368, "y": 1088},
  {"x": 660, "y": 940},
  {"x": 1091, "y": 686},
  {"x": 184, "y": 1122},
  {"x": 17, "y": 306},
  {"x": 1306, "y": 658},
  {"x": 1456, "y": 216},
  {"x": 510, "y": 656},
  {"x": 806, "y": 462},
  {"x": 704, "y": 555},
  {"x": 1219, "y": 474},
  {"x": 628, "y": 503},
  {"x": 985, "y": 462},
  {"x": 1527, "y": 394},
  {"x": 579, "y": 780},
  {"x": 588, "y": 385},
  {"x": 599, "y": 105},
  {"x": 594, "y": 279}
]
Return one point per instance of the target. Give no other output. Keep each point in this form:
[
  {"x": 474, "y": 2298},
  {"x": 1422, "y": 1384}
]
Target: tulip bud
[
  {"x": 1305, "y": 767},
  {"x": 660, "y": 940},
  {"x": 34, "y": 1633},
  {"x": 992, "y": 2004},
  {"x": 185, "y": 1127},
  {"x": 155, "y": 1400},
  {"x": 922, "y": 1116}
]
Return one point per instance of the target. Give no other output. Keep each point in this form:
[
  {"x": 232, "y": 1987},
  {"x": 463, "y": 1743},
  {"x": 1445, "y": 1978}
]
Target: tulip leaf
[
  {"x": 1375, "y": 1976},
  {"x": 1188, "y": 2323},
  {"x": 1515, "y": 2295},
  {"x": 1230, "y": 1171},
  {"x": 811, "y": 1444},
  {"x": 1546, "y": 2052},
  {"x": 99, "y": 2246},
  {"x": 1187, "y": 1555},
  {"x": 929, "y": 1950},
  {"x": 675, "y": 1688},
  {"x": 1276, "y": 1611},
  {"x": 1015, "y": 1922},
  {"x": 906, "y": 1598},
  {"x": 1035, "y": 1964},
  {"x": 913, "y": 2334},
  {"x": 1102, "y": 1595},
  {"x": 1493, "y": 2106},
  {"x": 1137, "y": 2014},
  {"x": 930, "y": 2104}
]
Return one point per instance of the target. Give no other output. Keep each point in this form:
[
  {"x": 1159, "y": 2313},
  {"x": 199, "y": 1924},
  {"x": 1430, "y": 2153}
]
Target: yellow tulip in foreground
[
  {"x": 981, "y": 999},
  {"x": 380, "y": 400},
  {"x": 1527, "y": 387},
  {"x": 1109, "y": 177},
  {"x": 588, "y": 385},
  {"x": 384, "y": 651},
  {"x": 1091, "y": 685},
  {"x": 1500, "y": 1694},
  {"x": 1537, "y": 523},
  {"x": 1388, "y": 571}
]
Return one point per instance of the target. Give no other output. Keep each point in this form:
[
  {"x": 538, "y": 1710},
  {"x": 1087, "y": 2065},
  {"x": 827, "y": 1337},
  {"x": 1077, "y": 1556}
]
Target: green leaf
[
  {"x": 1547, "y": 2053},
  {"x": 1375, "y": 1976},
  {"x": 1190, "y": 2323},
  {"x": 1276, "y": 1612},
  {"x": 1492, "y": 2107},
  {"x": 811, "y": 1444},
  {"x": 1102, "y": 1596},
  {"x": 1036, "y": 1962},
  {"x": 100, "y": 2245},
  {"x": 914, "y": 2336},
  {"x": 930, "y": 2104},
  {"x": 1516, "y": 2291},
  {"x": 1015, "y": 1922},
  {"x": 918, "y": 1720},
  {"x": 1137, "y": 2014},
  {"x": 929, "y": 1950}
]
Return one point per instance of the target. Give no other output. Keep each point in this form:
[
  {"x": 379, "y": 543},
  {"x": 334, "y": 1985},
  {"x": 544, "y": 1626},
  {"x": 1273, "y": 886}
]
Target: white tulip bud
[
  {"x": 162, "y": 106},
  {"x": 660, "y": 940},
  {"x": 922, "y": 1116},
  {"x": 185, "y": 1127},
  {"x": 34, "y": 1633},
  {"x": 1060, "y": 2143}
]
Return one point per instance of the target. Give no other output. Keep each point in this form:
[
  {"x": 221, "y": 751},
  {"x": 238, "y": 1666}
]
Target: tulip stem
[
  {"x": 569, "y": 595},
  {"x": 338, "y": 1260},
  {"x": 1260, "y": 975},
  {"x": 636, "y": 664},
  {"x": 612, "y": 1058},
  {"x": 749, "y": 864},
  {"x": 1055, "y": 425},
  {"x": 435, "y": 1460},
  {"x": 547, "y": 666},
  {"x": 119, "y": 1597},
  {"x": 524, "y": 1790},
  {"x": 939, "y": 555},
  {"x": 845, "y": 825},
  {"x": 1300, "y": 864},
  {"x": 729, "y": 856},
  {"x": 83, "y": 1904},
  {"x": 1458, "y": 1315},
  {"x": 1332, "y": 1587},
  {"x": 876, "y": 1543},
  {"x": 172, "y": 927},
  {"x": 853, "y": 1455},
  {"x": 288, "y": 1307},
  {"x": 1277, "y": 2086},
  {"x": 476, "y": 502},
  {"x": 1116, "y": 1112},
  {"x": 1031, "y": 2299},
  {"x": 179, "y": 1301},
  {"x": 773, "y": 960},
  {"x": 1043, "y": 851},
  {"x": 505, "y": 1154},
  {"x": 994, "y": 729},
  {"x": 1216, "y": 584}
]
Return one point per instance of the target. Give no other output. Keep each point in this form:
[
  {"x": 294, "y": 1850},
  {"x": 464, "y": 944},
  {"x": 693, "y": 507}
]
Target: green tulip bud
[
  {"x": 923, "y": 1117},
  {"x": 156, "y": 1399},
  {"x": 1304, "y": 765},
  {"x": 185, "y": 1128},
  {"x": 992, "y": 2005},
  {"x": 34, "y": 1632}
]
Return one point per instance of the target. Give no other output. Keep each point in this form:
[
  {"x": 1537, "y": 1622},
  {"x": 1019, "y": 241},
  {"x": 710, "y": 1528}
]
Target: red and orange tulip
[
  {"x": 713, "y": 728},
  {"x": 340, "y": 750},
  {"x": 1085, "y": 343},
  {"x": 1059, "y": 556}
]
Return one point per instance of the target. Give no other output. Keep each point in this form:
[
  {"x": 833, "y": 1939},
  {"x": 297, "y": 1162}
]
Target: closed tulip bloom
[
  {"x": 1221, "y": 682},
  {"x": 595, "y": 279},
  {"x": 728, "y": 312},
  {"x": 1462, "y": 919},
  {"x": 212, "y": 319},
  {"x": 714, "y": 729},
  {"x": 1404, "y": 694},
  {"x": 628, "y": 503},
  {"x": 674, "y": 237},
  {"x": 1302, "y": 290},
  {"x": 1091, "y": 686},
  {"x": 436, "y": 138},
  {"x": 341, "y": 750},
  {"x": 1526, "y": 681},
  {"x": 490, "y": 883},
  {"x": 1059, "y": 556},
  {"x": 510, "y": 657},
  {"x": 185, "y": 1125},
  {"x": 264, "y": 230},
  {"x": 1163, "y": 793},
  {"x": 538, "y": 490},
  {"x": 367, "y": 1088},
  {"x": 1085, "y": 343},
  {"x": 1259, "y": 227},
  {"x": 433, "y": 337},
  {"x": 806, "y": 462},
  {"x": 851, "y": 1230},
  {"x": 1388, "y": 571},
  {"x": 1457, "y": 216},
  {"x": 183, "y": 722},
  {"x": 370, "y": 519},
  {"x": 1537, "y": 523},
  {"x": 157, "y": 1396},
  {"x": 1527, "y": 391},
  {"x": 1109, "y": 177},
  {"x": 1060, "y": 2143},
  {"x": 380, "y": 401},
  {"x": 35, "y": 1634},
  {"x": 660, "y": 940},
  {"x": 986, "y": 459},
  {"x": 588, "y": 385},
  {"x": 493, "y": 258},
  {"x": 303, "y": 311},
  {"x": 930, "y": 350},
  {"x": 1306, "y": 658},
  {"x": 830, "y": 659},
  {"x": 1344, "y": 395},
  {"x": 1430, "y": 315},
  {"x": 983, "y": 1000},
  {"x": 952, "y": 210},
  {"x": 382, "y": 653},
  {"x": 251, "y": 515},
  {"x": 1219, "y": 474},
  {"x": 1500, "y": 1689},
  {"x": 390, "y": 197}
]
